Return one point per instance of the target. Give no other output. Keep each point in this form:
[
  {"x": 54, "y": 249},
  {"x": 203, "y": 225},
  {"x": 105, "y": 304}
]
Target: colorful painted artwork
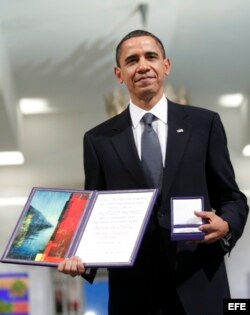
[
  {"x": 14, "y": 298},
  {"x": 47, "y": 227}
]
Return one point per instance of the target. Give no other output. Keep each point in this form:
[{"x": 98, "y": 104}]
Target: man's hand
[
  {"x": 214, "y": 228},
  {"x": 72, "y": 266}
]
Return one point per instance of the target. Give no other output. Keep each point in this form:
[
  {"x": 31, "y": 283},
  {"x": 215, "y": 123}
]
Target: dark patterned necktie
[{"x": 151, "y": 155}]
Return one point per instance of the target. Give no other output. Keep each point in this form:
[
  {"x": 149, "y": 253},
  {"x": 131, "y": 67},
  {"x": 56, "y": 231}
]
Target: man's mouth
[{"x": 144, "y": 78}]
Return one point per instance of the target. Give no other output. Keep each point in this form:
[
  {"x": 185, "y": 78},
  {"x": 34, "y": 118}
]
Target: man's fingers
[
  {"x": 204, "y": 214},
  {"x": 80, "y": 267},
  {"x": 61, "y": 266},
  {"x": 72, "y": 266}
]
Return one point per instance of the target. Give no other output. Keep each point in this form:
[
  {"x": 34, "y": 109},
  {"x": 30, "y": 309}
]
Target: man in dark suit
[{"x": 168, "y": 277}]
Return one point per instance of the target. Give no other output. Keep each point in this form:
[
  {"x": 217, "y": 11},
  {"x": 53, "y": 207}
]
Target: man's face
[{"x": 142, "y": 68}]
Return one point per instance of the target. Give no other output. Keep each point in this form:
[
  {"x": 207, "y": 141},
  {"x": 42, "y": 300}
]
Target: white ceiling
[{"x": 64, "y": 51}]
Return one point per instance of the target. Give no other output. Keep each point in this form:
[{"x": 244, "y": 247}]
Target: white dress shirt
[{"x": 160, "y": 110}]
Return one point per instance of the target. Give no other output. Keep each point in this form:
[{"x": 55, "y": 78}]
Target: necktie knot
[{"x": 148, "y": 118}]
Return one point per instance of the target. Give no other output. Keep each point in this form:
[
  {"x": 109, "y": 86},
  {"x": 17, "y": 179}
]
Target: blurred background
[{"x": 56, "y": 82}]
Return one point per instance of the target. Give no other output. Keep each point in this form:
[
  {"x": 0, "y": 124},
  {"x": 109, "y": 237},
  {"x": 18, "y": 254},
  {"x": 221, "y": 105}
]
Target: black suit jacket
[{"x": 197, "y": 164}]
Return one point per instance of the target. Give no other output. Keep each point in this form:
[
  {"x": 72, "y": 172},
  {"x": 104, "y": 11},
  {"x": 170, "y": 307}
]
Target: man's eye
[{"x": 130, "y": 61}]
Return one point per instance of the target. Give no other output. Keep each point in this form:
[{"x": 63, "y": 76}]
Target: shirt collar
[{"x": 160, "y": 110}]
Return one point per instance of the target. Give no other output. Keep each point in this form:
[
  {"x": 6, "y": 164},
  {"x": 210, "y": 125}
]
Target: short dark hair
[{"x": 137, "y": 33}]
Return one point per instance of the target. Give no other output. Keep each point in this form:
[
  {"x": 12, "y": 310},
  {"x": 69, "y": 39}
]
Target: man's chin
[{"x": 147, "y": 94}]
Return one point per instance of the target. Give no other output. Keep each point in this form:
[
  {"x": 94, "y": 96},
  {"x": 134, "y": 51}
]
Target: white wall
[
  {"x": 9, "y": 118},
  {"x": 238, "y": 266}
]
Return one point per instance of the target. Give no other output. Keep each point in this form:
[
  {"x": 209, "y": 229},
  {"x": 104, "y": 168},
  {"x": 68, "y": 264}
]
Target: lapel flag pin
[{"x": 180, "y": 130}]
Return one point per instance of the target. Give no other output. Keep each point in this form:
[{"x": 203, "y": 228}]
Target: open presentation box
[{"x": 185, "y": 223}]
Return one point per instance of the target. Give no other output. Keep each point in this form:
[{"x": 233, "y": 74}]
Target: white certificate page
[{"x": 114, "y": 228}]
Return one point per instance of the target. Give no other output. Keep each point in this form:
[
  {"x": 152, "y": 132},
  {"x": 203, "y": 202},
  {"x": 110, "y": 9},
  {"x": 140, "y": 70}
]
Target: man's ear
[
  {"x": 167, "y": 66},
  {"x": 117, "y": 73}
]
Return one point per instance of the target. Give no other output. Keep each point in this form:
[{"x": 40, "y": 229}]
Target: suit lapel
[
  {"x": 124, "y": 144},
  {"x": 179, "y": 132}
]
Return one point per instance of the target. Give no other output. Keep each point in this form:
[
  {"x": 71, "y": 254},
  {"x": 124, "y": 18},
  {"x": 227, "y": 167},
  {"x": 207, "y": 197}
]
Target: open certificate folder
[{"x": 104, "y": 228}]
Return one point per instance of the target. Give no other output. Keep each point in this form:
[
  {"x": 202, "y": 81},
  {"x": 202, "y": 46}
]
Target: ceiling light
[
  {"x": 29, "y": 106},
  {"x": 231, "y": 100},
  {"x": 14, "y": 201},
  {"x": 11, "y": 158},
  {"x": 246, "y": 150}
]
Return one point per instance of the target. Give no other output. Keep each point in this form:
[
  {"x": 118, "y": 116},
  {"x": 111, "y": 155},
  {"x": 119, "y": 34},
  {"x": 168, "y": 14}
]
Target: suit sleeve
[
  {"x": 93, "y": 181},
  {"x": 226, "y": 198}
]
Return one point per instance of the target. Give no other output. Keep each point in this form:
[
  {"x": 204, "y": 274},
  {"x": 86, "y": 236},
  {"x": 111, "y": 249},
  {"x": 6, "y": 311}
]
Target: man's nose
[{"x": 143, "y": 65}]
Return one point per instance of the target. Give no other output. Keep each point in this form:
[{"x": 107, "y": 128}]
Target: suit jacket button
[{"x": 160, "y": 214}]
